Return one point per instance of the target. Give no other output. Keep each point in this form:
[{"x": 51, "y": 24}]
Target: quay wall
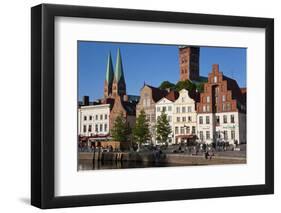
[{"x": 163, "y": 158}]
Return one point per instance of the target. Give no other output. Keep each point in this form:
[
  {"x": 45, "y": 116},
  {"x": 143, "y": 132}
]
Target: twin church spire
[{"x": 114, "y": 84}]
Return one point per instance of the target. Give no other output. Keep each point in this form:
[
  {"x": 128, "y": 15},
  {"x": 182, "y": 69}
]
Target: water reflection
[{"x": 97, "y": 165}]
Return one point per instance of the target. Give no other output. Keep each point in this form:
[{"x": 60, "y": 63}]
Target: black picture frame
[{"x": 43, "y": 102}]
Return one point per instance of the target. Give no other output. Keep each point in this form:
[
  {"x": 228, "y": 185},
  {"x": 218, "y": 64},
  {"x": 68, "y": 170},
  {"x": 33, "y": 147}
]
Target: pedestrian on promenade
[
  {"x": 190, "y": 150},
  {"x": 204, "y": 147},
  {"x": 206, "y": 155},
  {"x": 212, "y": 154}
]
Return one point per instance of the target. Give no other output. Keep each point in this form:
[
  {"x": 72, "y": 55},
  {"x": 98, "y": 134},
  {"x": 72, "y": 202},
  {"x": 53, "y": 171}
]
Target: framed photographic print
[{"x": 140, "y": 106}]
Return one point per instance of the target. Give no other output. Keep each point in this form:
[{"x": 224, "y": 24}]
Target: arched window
[{"x": 215, "y": 79}]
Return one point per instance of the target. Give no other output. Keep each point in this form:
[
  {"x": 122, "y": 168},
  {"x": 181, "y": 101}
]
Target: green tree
[
  {"x": 163, "y": 128},
  {"x": 121, "y": 129},
  {"x": 167, "y": 85},
  {"x": 185, "y": 85},
  {"x": 141, "y": 130}
]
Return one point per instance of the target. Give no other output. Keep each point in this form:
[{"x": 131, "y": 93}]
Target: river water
[{"x": 98, "y": 165}]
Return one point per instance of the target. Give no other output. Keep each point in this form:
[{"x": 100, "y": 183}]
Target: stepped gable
[
  {"x": 233, "y": 86},
  {"x": 223, "y": 94}
]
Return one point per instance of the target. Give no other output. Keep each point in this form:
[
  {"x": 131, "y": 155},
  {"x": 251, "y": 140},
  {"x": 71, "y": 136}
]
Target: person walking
[{"x": 206, "y": 155}]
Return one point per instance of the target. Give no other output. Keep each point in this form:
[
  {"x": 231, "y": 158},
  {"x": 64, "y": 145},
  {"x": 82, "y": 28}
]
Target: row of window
[
  {"x": 225, "y": 107},
  {"x": 218, "y": 119},
  {"x": 146, "y": 102},
  {"x": 207, "y": 119},
  {"x": 184, "y": 119},
  {"x": 206, "y": 108},
  {"x": 96, "y": 117},
  {"x": 164, "y": 109},
  {"x": 201, "y": 136},
  {"x": 185, "y": 130},
  {"x": 168, "y": 117},
  {"x": 183, "y": 109},
  {"x": 224, "y": 119},
  {"x": 98, "y": 128},
  {"x": 178, "y": 109},
  {"x": 150, "y": 117},
  {"x": 219, "y": 134},
  {"x": 178, "y": 119},
  {"x": 184, "y": 71},
  {"x": 208, "y": 99}
]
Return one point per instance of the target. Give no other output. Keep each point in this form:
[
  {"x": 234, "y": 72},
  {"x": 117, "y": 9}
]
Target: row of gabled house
[{"x": 216, "y": 115}]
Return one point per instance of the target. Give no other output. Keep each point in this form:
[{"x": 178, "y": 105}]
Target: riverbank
[{"x": 171, "y": 158}]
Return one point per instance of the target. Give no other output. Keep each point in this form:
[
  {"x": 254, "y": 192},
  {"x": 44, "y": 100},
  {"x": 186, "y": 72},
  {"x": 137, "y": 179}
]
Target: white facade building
[
  {"x": 205, "y": 127},
  {"x": 166, "y": 106},
  {"x": 93, "y": 120},
  {"x": 222, "y": 127},
  {"x": 184, "y": 118}
]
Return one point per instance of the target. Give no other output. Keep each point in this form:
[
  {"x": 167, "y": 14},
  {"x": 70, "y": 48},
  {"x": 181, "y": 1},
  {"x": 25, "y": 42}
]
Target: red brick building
[
  {"x": 125, "y": 108},
  {"x": 221, "y": 110},
  {"x": 115, "y": 93},
  {"x": 221, "y": 94},
  {"x": 189, "y": 63}
]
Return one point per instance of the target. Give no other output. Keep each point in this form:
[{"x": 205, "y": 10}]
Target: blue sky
[{"x": 149, "y": 63}]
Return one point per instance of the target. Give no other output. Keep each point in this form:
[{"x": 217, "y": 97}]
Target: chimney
[{"x": 85, "y": 100}]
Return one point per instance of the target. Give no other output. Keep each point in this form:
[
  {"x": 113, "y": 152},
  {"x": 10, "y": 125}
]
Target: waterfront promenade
[{"x": 169, "y": 159}]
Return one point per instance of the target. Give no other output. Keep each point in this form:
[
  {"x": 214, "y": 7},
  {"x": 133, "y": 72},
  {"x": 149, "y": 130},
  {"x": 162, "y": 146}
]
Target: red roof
[
  {"x": 172, "y": 95},
  {"x": 157, "y": 93}
]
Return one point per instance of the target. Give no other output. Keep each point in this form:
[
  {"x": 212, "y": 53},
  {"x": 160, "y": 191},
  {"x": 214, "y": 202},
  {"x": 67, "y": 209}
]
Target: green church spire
[
  {"x": 119, "y": 75},
  {"x": 109, "y": 70}
]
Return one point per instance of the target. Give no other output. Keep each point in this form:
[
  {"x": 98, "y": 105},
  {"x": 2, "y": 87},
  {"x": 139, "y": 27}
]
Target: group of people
[
  {"x": 208, "y": 154},
  {"x": 208, "y": 150},
  {"x": 84, "y": 147}
]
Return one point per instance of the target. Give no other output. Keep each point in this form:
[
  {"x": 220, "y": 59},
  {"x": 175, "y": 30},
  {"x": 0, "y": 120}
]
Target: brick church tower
[
  {"x": 119, "y": 85},
  {"x": 189, "y": 63},
  {"x": 108, "y": 78}
]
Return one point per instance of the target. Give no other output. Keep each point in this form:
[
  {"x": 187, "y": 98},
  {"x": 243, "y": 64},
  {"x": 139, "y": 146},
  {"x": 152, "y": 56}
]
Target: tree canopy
[
  {"x": 163, "y": 128},
  {"x": 167, "y": 85},
  {"x": 188, "y": 85},
  {"x": 121, "y": 129},
  {"x": 141, "y": 130}
]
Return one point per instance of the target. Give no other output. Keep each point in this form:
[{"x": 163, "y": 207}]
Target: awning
[
  {"x": 186, "y": 136},
  {"x": 94, "y": 137}
]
